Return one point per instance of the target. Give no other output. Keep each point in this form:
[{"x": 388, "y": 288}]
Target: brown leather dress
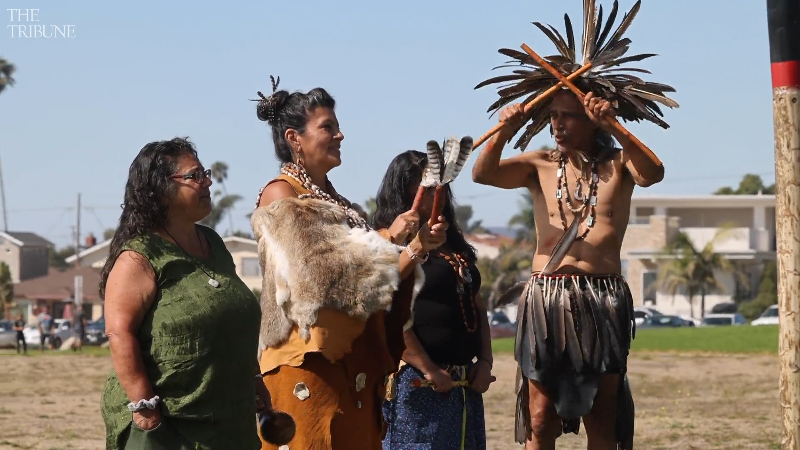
[{"x": 343, "y": 367}]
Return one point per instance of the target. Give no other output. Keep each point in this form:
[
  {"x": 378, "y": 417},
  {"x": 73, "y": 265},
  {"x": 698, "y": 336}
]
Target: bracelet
[
  {"x": 486, "y": 361},
  {"x": 413, "y": 256},
  {"x": 143, "y": 404}
]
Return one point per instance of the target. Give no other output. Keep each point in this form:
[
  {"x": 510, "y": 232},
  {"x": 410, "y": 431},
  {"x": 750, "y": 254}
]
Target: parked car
[
  {"x": 768, "y": 317},
  {"x": 662, "y": 321},
  {"x": 8, "y": 337},
  {"x": 96, "y": 332},
  {"x": 725, "y": 308},
  {"x": 500, "y": 326},
  {"x": 62, "y": 331},
  {"x": 641, "y": 313},
  {"x": 723, "y": 319},
  {"x": 691, "y": 322}
]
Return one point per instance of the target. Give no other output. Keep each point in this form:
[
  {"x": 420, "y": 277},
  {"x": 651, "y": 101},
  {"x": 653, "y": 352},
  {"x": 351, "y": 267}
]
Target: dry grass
[{"x": 683, "y": 401}]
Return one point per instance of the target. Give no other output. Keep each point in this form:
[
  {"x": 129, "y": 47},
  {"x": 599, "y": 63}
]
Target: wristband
[
  {"x": 413, "y": 256},
  {"x": 486, "y": 361},
  {"x": 143, "y": 404}
]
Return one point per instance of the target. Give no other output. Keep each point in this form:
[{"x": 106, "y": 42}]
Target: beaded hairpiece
[{"x": 266, "y": 105}]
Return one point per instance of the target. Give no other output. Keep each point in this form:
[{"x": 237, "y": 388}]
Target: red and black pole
[{"x": 783, "y": 17}]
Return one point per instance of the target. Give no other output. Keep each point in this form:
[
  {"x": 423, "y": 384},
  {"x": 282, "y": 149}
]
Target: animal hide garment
[{"x": 312, "y": 259}]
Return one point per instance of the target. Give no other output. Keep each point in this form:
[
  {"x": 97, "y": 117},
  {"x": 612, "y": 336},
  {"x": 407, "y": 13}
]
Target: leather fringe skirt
[{"x": 571, "y": 330}]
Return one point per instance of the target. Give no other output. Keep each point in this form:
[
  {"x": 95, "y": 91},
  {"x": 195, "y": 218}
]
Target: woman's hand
[
  {"x": 404, "y": 226},
  {"x": 442, "y": 380},
  {"x": 480, "y": 376},
  {"x": 432, "y": 238},
  {"x": 147, "y": 419}
]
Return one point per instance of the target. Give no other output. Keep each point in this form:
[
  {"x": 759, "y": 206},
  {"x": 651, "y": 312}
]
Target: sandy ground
[{"x": 683, "y": 402}]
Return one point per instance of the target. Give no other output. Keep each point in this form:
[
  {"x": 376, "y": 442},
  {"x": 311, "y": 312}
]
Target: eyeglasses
[{"x": 198, "y": 176}]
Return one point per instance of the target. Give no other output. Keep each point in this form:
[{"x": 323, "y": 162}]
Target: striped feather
[
  {"x": 433, "y": 171},
  {"x": 456, "y": 159}
]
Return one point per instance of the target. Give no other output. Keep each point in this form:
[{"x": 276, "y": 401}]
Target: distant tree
[
  {"x": 767, "y": 293},
  {"x": 524, "y": 220},
  {"x": 220, "y": 206},
  {"x": 6, "y": 70},
  {"x": 57, "y": 257},
  {"x": 694, "y": 270},
  {"x": 464, "y": 219},
  {"x": 222, "y": 203},
  {"x": 751, "y": 184},
  {"x": 108, "y": 233},
  {"x": 6, "y": 289},
  {"x": 370, "y": 206},
  {"x": 242, "y": 234}
]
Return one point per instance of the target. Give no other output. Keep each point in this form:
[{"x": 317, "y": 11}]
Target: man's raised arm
[{"x": 511, "y": 173}]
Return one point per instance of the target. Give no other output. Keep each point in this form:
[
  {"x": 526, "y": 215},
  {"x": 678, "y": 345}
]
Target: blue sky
[{"x": 402, "y": 73}]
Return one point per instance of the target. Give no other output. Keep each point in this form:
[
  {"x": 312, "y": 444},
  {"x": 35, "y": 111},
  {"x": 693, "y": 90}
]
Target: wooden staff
[
  {"x": 534, "y": 102},
  {"x": 783, "y": 25},
  {"x": 612, "y": 121}
]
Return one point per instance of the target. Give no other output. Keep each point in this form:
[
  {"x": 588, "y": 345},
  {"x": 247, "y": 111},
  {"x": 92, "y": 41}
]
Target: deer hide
[{"x": 312, "y": 259}]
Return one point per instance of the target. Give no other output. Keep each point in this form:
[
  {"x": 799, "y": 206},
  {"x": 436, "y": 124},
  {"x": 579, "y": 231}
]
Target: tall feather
[
  {"x": 521, "y": 308},
  {"x": 433, "y": 172},
  {"x": 606, "y": 51},
  {"x": 572, "y": 343},
  {"x": 588, "y": 30},
  {"x": 459, "y": 152},
  {"x": 536, "y": 311}
]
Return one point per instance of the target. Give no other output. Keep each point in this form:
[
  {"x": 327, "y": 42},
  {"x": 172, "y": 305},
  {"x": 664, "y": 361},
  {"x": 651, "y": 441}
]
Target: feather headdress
[{"x": 633, "y": 98}]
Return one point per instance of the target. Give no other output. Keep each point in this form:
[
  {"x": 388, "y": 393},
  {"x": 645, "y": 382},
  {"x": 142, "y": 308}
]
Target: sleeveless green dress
[{"x": 199, "y": 346}]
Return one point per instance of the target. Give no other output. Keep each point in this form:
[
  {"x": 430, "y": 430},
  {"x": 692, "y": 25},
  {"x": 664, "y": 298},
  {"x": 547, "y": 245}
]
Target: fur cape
[{"x": 312, "y": 259}]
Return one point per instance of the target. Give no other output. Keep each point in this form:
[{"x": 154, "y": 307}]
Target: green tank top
[{"x": 199, "y": 346}]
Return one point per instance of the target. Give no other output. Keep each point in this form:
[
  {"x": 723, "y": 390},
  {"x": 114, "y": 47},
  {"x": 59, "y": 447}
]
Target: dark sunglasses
[{"x": 199, "y": 176}]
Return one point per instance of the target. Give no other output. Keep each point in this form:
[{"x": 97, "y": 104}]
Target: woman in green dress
[{"x": 183, "y": 328}]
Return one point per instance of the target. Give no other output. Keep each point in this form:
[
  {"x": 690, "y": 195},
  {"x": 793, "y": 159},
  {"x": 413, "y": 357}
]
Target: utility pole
[
  {"x": 78, "y": 235},
  {"x": 3, "y": 195},
  {"x": 783, "y": 19}
]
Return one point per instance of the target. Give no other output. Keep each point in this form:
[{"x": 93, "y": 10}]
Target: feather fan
[{"x": 633, "y": 98}]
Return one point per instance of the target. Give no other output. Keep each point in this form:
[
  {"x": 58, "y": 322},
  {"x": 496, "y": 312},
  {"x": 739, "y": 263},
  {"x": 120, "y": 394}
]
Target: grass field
[
  {"x": 733, "y": 340},
  {"x": 695, "y": 388}
]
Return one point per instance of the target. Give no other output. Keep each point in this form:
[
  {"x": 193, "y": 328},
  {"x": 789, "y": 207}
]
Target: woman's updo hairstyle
[{"x": 284, "y": 111}]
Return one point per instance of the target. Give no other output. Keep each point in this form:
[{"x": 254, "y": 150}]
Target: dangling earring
[{"x": 299, "y": 158}]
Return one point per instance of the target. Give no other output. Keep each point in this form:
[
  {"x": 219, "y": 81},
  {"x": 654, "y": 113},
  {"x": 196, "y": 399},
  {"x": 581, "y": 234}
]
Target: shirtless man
[{"x": 575, "y": 323}]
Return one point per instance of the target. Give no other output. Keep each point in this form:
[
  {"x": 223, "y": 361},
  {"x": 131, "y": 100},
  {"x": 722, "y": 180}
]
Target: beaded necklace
[
  {"x": 589, "y": 199},
  {"x": 465, "y": 295},
  {"x": 354, "y": 220}
]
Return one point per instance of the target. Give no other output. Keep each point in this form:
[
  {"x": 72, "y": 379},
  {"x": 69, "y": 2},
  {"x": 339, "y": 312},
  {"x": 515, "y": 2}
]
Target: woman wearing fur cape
[{"x": 336, "y": 295}]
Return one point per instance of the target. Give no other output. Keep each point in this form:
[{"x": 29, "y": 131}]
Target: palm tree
[
  {"x": 498, "y": 275},
  {"x": 369, "y": 207},
  {"x": 6, "y": 289},
  {"x": 525, "y": 220},
  {"x": 694, "y": 270},
  {"x": 6, "y": 70},
  {"x": 219, "y": 172},
  {"x": 463, "y": 215},
  {"x": 221, "y": 205}
]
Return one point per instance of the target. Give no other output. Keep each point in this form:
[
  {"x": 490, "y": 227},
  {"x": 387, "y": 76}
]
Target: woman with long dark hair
[
  {"x": 437, "y": 401},
  {"x": 182, "y": 326},
  {"x": 336, "y": 294}
]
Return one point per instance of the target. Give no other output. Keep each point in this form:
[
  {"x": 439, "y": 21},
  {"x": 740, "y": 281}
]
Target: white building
[{"x": 655, "y": 220}]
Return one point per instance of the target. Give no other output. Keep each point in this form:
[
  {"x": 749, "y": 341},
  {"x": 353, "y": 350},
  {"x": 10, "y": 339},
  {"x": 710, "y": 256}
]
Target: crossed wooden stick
[
  {"x": 567, "y": 82},
  {"x": 563, "y": 82}
]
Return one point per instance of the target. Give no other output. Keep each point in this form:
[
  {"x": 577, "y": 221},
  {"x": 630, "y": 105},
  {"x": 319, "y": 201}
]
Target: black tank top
[{"x": 438, "y": 317}]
